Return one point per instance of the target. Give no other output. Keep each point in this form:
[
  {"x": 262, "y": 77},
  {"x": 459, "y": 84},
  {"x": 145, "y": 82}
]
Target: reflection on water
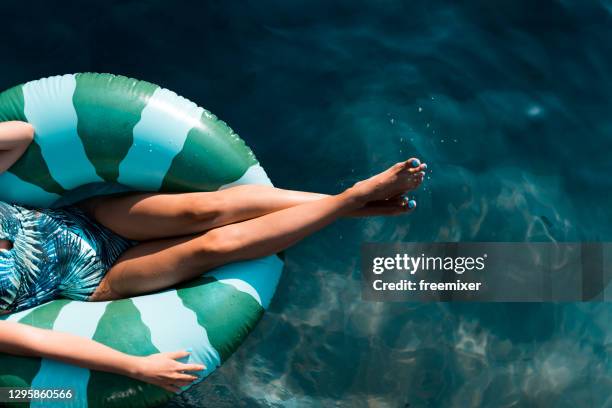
[{"x": 507, "y": 102}]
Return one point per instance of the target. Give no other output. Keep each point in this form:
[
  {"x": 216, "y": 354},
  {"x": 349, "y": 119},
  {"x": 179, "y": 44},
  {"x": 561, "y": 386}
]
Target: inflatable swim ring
[{"x": 102, "y": 133}]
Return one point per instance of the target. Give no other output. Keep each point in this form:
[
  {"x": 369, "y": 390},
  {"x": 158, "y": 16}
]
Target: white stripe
[
  {"x": 15, "y": 190},
  {"x": 81, "y": 319},
  {"x": 158, "y": 137},
  {"x": 254, "y": 175},
  {"x": 175, "y": 327},
  {"x": 241, "y": 285},
  {"x": 48, "y": 107},
  {"x": 258, "y": 277}
]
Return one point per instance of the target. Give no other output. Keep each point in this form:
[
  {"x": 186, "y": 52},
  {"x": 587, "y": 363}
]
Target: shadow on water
[{"x": 508, "y": 102}]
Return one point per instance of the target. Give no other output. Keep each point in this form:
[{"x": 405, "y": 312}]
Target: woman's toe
[
  {"x": 406, "y": 205},
  {"x": 418, "y": 169}
]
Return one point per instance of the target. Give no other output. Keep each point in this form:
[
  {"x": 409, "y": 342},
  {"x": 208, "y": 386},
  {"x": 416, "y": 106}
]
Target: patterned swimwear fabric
[{"x": 55, "y": 253}]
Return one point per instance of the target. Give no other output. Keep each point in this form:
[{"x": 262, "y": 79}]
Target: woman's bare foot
[
  {"x": 393, "y": 206},
  {"x": 382, "y": 194}
]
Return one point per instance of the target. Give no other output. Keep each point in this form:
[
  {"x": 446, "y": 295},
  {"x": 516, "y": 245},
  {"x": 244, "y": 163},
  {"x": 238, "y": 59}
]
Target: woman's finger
[
  {"x": 182, "y": 384},
  {"x": 176, "y": 355},
  {"x": 185, "y": 377},
  {"x": 192, "y": 367}
]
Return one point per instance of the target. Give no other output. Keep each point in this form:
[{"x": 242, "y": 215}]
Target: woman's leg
[
  {"x": 163, "y": 263},
  {"x": 146, "y": 216}
]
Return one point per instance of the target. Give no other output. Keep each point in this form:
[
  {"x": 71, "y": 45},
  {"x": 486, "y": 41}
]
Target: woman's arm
[
  {"x": 15, "y": 137},
  {"x": 160, "y": 369}
]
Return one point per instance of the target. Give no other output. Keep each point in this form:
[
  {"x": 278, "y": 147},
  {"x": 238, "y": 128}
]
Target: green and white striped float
[{"x": 101, "y": 133}]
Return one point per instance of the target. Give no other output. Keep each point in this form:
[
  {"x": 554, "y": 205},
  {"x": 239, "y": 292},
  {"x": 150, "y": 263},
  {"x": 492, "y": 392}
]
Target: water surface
[{"x": 509, "y": 104}]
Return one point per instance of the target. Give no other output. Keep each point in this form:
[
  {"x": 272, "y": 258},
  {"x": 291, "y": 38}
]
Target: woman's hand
[
  {"x": 164, "y": 371},
  {"x": 159, "y": 369},
  {"x": 15, "y": 137}
]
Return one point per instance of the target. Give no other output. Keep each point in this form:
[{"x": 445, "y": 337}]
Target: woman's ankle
[{"x": 352, "y": 199}]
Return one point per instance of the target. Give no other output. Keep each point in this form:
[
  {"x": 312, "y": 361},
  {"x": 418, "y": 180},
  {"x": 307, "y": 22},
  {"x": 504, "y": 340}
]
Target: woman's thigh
[
  {"x": 159, "y": 264},
  {"x": 149, "y": 216}
]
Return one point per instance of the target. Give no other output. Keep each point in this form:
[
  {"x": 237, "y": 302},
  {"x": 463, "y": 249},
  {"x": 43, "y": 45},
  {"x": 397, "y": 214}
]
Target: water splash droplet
[{"x": 534, "y": 111}]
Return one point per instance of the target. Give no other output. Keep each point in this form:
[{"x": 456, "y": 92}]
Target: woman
[{"x": 124, "y": 245}]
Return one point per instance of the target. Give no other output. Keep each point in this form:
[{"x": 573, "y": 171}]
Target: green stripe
[
  {"x": 213, "y": 155},
  {"x": 227, "y": 314},
  {"x": 31, "y": 167},
  {"x": 24, "y": 369},
  {"x": 108, "y": 107},
  {"x": 122, "y": 328},
  {"x": 44, "y": 316},
  {"x": 11, "y": 104}
]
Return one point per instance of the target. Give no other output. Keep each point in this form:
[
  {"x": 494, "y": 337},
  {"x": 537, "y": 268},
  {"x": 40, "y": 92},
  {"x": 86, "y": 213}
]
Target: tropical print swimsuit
[{"x": 55, "y": 253}]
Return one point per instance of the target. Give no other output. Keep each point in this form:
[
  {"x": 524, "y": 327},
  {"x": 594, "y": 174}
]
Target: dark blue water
[{"x": 509, "y": 104}]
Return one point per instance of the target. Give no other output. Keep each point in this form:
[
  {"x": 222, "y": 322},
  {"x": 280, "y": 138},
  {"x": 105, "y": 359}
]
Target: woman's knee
[
  {"x": 200, "y": 207},
  {"x": 224, "y": 241},
  {"x": 105, "y": 292}
]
